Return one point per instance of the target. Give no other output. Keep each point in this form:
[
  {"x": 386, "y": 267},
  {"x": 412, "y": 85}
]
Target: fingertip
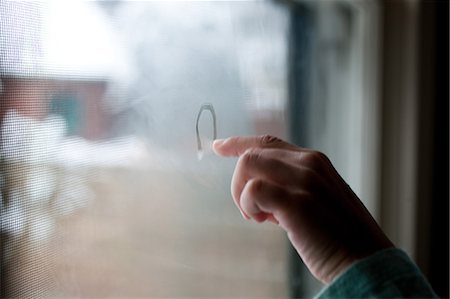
[
  {"x": 237, "y": 145},
  {"x": 260, "y": 217},
  {"x": 244, "y": 215},
  {"x": 216, "y": 146},
  {"x": 225, "y": 147},
  {"x": 218, "y": 142},
  {"x": 272, "y": 219},
  {"x": 233, "y": 146}
]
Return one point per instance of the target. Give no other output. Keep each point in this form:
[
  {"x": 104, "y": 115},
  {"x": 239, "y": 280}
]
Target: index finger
[{"x": 236, "y": 146}]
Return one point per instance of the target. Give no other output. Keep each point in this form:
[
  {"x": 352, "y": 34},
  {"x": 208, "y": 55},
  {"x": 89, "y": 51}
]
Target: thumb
[{"x": 236, "y": 146}]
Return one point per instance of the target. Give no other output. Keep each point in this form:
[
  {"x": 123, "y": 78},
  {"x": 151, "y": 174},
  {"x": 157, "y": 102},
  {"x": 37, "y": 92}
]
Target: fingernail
[
  {"x": 245, "y": 216},
  {"x": 218, "y": 142}
]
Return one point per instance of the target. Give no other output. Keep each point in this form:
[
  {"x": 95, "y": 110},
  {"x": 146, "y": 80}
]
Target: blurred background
[{"x": 102, "y": 190}]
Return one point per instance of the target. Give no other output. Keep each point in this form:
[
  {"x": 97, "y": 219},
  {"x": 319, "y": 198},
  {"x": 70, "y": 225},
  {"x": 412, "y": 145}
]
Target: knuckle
[
  {"x": 235, "y": 140},
  {"x": 250, "y": 156},
  {"x": 314, "y": 159},
  {"x": 321, "y": 156},
  {"x": 269, "y": 140}
]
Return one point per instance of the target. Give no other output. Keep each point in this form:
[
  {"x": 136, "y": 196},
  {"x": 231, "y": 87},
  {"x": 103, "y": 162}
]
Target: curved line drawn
[{"x": 210, "y": 108}]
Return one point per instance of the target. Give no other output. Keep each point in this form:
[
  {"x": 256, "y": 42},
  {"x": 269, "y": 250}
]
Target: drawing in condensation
[{"x": 200, "y": 148}]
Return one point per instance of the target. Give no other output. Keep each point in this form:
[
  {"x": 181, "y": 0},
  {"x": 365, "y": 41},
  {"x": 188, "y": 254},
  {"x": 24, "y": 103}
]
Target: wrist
[
  {"x": 340, "y": 263},
  {"x": 343, "y": 261}
]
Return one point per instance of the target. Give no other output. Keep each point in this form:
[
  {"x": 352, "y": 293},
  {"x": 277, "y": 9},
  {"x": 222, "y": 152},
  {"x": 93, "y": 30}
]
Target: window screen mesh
[{"x": 102, "y": 193}]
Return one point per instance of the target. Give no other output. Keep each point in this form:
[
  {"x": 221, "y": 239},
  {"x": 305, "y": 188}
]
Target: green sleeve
[{"x": 389, "y": 273}]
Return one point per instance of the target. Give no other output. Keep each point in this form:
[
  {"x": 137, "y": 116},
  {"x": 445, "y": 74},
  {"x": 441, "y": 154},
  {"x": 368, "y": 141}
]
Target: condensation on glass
[
  {"x": 102, "y": 193},
  {"x": 204, "y": 144}
]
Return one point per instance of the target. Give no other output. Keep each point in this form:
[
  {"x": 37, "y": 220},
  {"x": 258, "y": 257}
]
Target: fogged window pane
[{"x": 102, "y": 190}]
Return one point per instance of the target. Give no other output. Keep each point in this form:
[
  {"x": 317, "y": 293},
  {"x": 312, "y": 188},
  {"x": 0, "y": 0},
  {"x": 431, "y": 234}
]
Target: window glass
[
  {"x": 103, "y": 193},
  {"x": 103, "y": 189}
]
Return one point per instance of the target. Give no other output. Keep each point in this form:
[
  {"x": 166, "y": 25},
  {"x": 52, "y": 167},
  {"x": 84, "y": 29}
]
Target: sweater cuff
[{"x": 389, "y": 273}]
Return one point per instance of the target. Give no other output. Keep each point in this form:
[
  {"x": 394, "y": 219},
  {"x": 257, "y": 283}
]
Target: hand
[{"x": 300, "y": 190}]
